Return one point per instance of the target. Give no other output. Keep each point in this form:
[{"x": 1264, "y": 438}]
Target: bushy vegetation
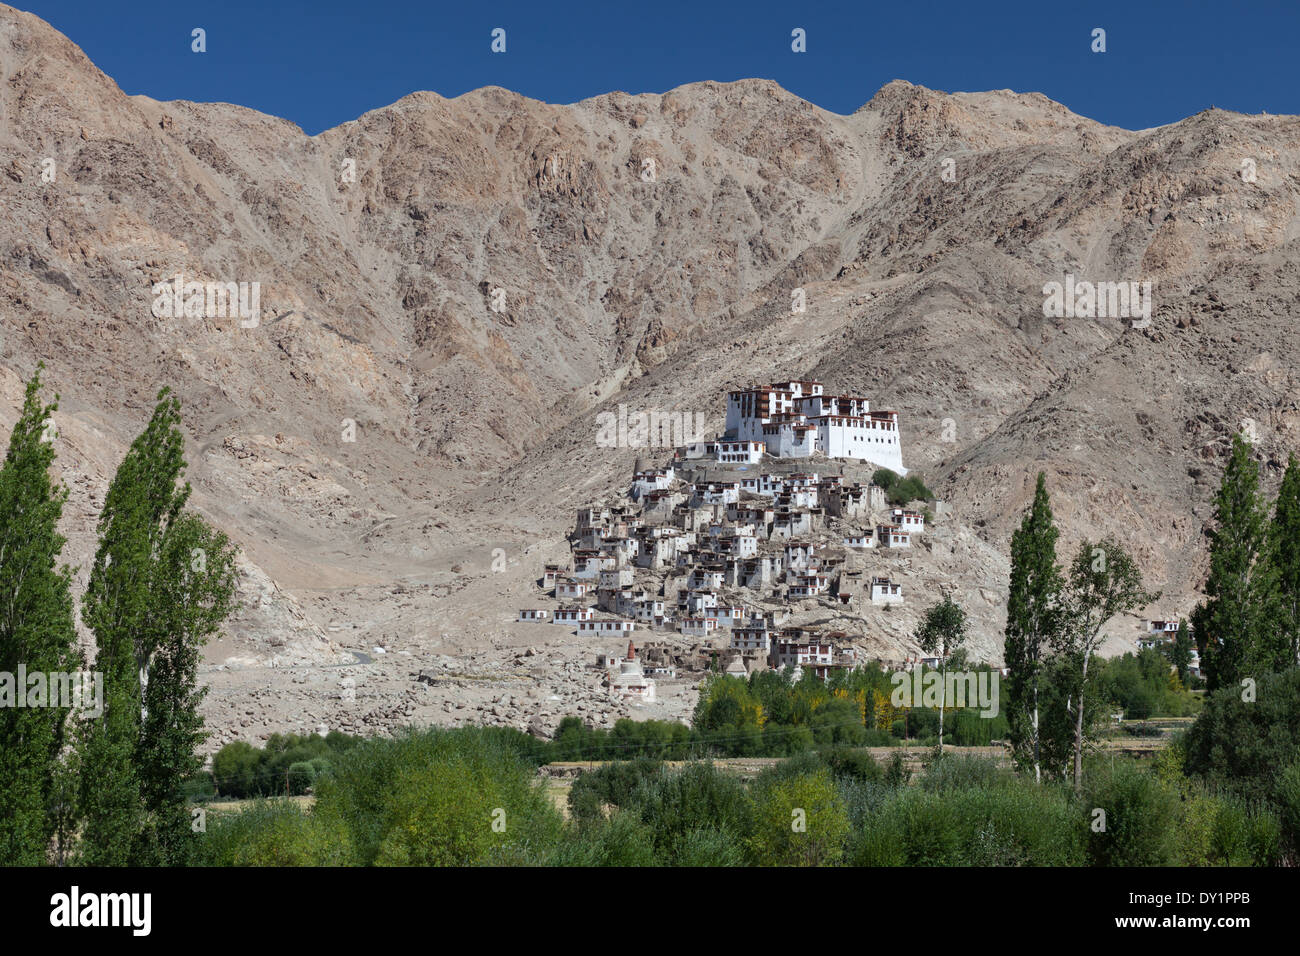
[
  {"x": 1141, "y": 686},
  {"x": 1243, "y": 741},
  {"x": 437, "y": 798},
  {"x": 272, "y": 833},
  {"x": 288, "y": 765},
  {"x": 899, "y": 490},
  {"x": 468, "y": 797}
]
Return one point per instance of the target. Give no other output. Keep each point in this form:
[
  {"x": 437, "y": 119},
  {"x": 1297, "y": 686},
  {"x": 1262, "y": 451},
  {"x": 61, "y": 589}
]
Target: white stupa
[{"x": 630, "y": 682}]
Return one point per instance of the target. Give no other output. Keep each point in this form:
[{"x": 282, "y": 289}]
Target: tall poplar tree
[
  {"x": 1034, "y": 619},
  {"x": 1281, "y": 639},
  {"x": 1228, "y": 624},
  {"x": 161, "y": 583},
  {"x": 1104, "y": 582},
  {"x": 1180, "y": 652},
  {"x": 36, "y": 633}
]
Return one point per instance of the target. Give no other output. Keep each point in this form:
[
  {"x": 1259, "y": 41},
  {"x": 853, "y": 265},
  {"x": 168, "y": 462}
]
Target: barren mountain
[{"x": 451, "y": 290}]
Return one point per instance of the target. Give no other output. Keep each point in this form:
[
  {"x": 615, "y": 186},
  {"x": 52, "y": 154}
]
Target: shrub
[
  {"x": 675, "y": 803},
  {"x": 707, "y": 846},
  {"x": 620, "y": 841},
  {"x": 1141, "y": 816},
  {"x": 272, "y": 833},
  {"x": 857, "y": 764},
  {"x": 1240, "y": 746},
  {"x": 959, "y": 771},
  {"x": 897, "y": 773},
  {"x": 299, "y": 777},
  {"x": 1288, "y": 806},
  {"x": 611, "y": 784},
  {"x": 437, "y": 797},
  {"x": 1007, "y": 822},
  {"x": 899, "y": 490},
  {"x": 797, "y": 821}
]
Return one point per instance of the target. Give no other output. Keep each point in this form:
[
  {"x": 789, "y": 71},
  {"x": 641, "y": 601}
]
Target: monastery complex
[{"x": 714, "y": 560}]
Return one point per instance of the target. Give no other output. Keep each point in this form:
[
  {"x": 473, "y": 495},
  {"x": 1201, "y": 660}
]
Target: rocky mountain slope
[{"x": 451, "y": 290}]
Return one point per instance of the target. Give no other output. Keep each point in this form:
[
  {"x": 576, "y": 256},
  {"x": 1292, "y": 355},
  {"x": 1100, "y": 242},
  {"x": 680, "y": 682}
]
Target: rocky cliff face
[{"x": 452, "y": 290}]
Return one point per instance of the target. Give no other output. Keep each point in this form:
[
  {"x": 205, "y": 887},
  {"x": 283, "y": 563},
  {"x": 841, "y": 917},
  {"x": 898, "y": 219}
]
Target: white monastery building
[{"x": 794, "y": 419}]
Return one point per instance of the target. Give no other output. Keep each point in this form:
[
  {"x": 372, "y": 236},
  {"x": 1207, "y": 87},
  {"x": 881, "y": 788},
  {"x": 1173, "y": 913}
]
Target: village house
[
  {"x": 808, "y": 584},
  {"x": 616, "y": 577},
  {"x": 710, "y": 493},
  {"x": 756, "y": 516},
  {"x": 796, "y": 497},
  {"x": 912, "y": 521},
  {"x": 605, "y": 626},
  {"x": 592, "y": 518},
  {"x": 651, "y": 611},
  {"x": 539, "y": 615},
  {"x": 892, "y": 536},
  {"x": 659, "y": 505},
  {"x": 860, "y": 541},
  {"x": 792, "y": 524},
  {"x": 705, "y": 579},
  {"x": 650, "y": 479},
  {"x": 697, "y": 602},
  {"x": 607, "y": 599},
  {"x": 884, "y": 591},
  {"x": 1159, "y": 633},
  {"x": 840, "y": 502},
  {"x": 764, "y": 485},
  {"x": 573, "y": 590},
  {"x": 732, "y": 616},
  {"x": 697, "y": 626},
  {"x": 739, "y": 452},
  {"x": 757, "y": 637},
  {"x": 587, "y": 564},
  {"x": 756, "y": 574},
  {"x": 624, "y": 550},
  {"x": 799, "y": 555},
  {"x": 572, "y": 615},
  {"x": 799, "y": 653}
]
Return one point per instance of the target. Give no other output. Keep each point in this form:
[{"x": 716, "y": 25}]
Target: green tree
[
  {"x": 1228, "y": 622},
  {"x": 1034, "y": 619},
  {"x": 1180, "y": 652},
  {"x": 941, "y": 633},
  {"x": 36, "y": 633},
  {"x": 798, "y": 821},
  {"x": 1282, "y": 645},
  {"x": 162, "y": 581},
  {"x": 729, "y": 712},
  {"x": 1103, "y": 583}
]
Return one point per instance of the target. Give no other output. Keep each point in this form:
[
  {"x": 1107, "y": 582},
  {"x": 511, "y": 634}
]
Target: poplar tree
[
  {"x": 1033, "y": 620},
  {"x": 941, "y": 633},
  {"x": 1180, "y": 652},
  {"x": 1227, "y": 624},
  {"x": 1282, "y": 639},
  {"x": 161, "y": 583},
  {"x": 36, "y": 631},
  {"x": 1104, "y": 582}
]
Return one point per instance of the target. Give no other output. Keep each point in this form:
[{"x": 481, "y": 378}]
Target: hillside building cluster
[{"x": 723, "y": 544}]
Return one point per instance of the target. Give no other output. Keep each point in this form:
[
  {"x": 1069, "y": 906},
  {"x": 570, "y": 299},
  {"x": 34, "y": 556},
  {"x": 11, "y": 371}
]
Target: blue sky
[{"x": 324, "y": 62}]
